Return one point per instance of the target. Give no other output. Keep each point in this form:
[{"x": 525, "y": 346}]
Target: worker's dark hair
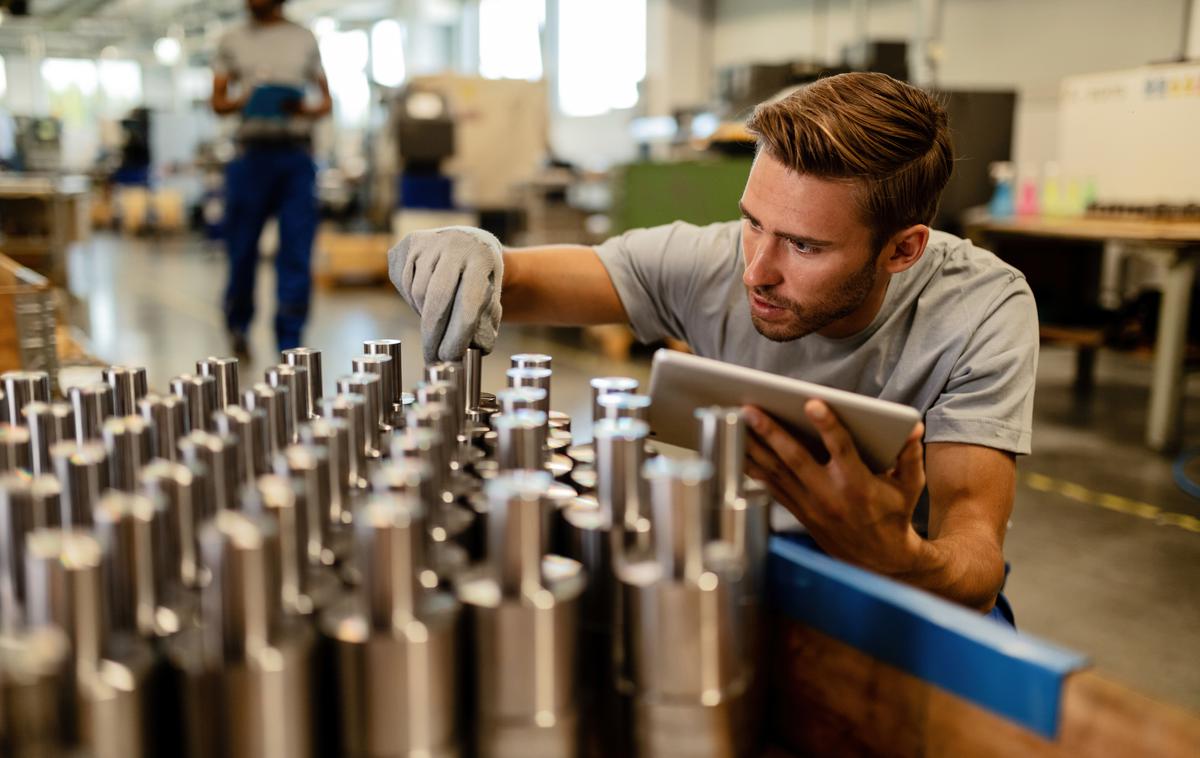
[{"x": 893, "y": 139}]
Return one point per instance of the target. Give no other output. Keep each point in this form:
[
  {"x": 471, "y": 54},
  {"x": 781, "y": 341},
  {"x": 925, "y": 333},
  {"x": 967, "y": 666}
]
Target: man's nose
[{"x": 761, "y": 270}]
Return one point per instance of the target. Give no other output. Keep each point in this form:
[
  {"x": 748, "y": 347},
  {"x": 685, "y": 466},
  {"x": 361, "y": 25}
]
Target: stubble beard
[{"x": 822, "y": 312}]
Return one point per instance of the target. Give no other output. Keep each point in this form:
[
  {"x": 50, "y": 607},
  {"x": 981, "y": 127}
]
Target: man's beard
[{"x": 822, "y": 312}]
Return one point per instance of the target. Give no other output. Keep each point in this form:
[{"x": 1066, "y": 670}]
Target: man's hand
[
  {"x": 852, "y": 513},
  {"x": 452, "y": 278}
]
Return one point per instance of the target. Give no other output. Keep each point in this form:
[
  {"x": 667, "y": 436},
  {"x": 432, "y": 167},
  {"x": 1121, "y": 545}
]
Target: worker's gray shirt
[
  {"x": 956, "y": 337},
  {"x": 280, "y": 53}
]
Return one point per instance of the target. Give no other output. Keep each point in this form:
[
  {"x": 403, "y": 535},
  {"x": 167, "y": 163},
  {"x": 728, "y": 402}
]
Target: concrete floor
[{"x": 1088, "y": 572}]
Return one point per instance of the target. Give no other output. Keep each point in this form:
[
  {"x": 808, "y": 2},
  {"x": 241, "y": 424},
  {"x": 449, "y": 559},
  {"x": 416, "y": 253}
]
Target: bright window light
[
  {"x": 324, "y": 25},
  {"x": 509, "y": 38},
  {"x": 167, "y": 50},
  {"x": 64, "y": 74},
  {"x": 387, "y": 53},
  {"x": 602, "y": 55},
  {"x": 120, "y": 81},
  {"x": 344, "y": 55}
]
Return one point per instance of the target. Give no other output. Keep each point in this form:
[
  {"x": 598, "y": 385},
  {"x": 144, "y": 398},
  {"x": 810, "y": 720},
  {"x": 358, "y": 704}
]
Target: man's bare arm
[
  {"x": 558, "y": 285},
  {"x": 222, "y": 103},
  {"x": 971, "y": 491}
]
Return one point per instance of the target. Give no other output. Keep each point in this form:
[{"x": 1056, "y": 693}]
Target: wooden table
[{"x": 1174, "y": 246}]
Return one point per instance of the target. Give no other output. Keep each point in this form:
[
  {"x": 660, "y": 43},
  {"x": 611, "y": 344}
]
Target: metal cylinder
[
  {"x": 278, "y": 499},
  {"x": 82, "y": 471},
  {"x": 224, "y": 372},
  {"x": 33, "y": 670},
  {"x": 64, "y": 589},
  {"x": 310, "y": 361},
  {"x": 620, "y": 490},
  {"x": 261, "y": 665},
  {"x": 525, "y": 612},
  {"x": 179, "y": 490},
  {"x": 129, "y": 529},
  {"x": 352, "y": 409},
  {"x": 274, "y": 402},
  {"x": 215, "y": 458},
  {"x": 369, "y": 387},
  {"x": 473, "y": 378},
  {"x": 604, "y": 385},
  {"x": 199, "y": 393},
  {"x": 128, "y": 443},
  {"x": 236, "y": 422},
  {"x": 92, "y": 404},
  {"x": 428, "y": 447},
  {"x": 14, "y": 448},
  {"x": 521, "y": 399},
  {"x": 309, "y": 469},
  {"x": 167, "y": 416},
  {"x": 396, "y": 661},
  {"x": 333, "y": 436},
  {"x": 693, "y": 705},
  {"x": 19, "y": 515},
  {"x": 295, "y": 379},
  {"x": 381, "y": 366},
  {"x": 532, "y": 377},
  {"x": 22, "y": 388},
  {"x": 532, "y": 360},
  {"x": 47, "y": 499},
  {"x": 48, "y": 423},
  {"x": 129, "y": 386},
  {"x": 392, "y": 349},
  {"x": 451, "y": 373},
  {"x": 519, "y": 440},
  {"x": 622, "y": 405}
]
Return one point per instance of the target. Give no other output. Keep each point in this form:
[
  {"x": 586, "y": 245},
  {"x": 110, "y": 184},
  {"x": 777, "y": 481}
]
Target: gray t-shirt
[
  {"x": 280, "y": 53},
  {"x": 956, "y": 337}
]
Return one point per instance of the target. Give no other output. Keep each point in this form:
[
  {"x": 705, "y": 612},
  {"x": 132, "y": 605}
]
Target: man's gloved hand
[{"x": 451, "y": 277}]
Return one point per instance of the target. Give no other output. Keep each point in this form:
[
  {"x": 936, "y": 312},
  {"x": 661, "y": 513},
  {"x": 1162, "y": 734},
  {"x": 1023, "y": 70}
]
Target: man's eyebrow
[{"x": 809, "y": 241}]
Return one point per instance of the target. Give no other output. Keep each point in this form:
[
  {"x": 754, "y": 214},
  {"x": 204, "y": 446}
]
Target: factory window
[
  {"x": 601, "y": 55},
  {"x": 510, "y": 44},
  {"x": 121, "y": 83},
  {"x": 387, "y": 53},
  {"x": 344, "y": 55}
]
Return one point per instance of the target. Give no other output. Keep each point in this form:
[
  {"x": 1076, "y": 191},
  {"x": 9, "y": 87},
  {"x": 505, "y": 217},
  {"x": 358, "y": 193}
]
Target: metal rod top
[
  {"x": 241, "y": 603},
  {"x": 518, "y": 531},
  {"x": 723, "y": 444},
  {"x": 678, "y": 493},
  {"x": 390, "y": 539}
]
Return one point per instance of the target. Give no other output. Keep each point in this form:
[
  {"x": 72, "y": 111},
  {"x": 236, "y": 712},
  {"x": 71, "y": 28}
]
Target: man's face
[{"x": 809, "y": 258}]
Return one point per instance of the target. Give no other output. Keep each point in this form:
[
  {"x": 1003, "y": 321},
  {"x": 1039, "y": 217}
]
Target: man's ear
[{"x": 905, "y": 248}]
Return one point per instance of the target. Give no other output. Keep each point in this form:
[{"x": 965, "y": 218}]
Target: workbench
[
  {"x": 1172, "y": 246},
  {"x": 40, "y": 217},
  {"x": 863, "y": 665}
]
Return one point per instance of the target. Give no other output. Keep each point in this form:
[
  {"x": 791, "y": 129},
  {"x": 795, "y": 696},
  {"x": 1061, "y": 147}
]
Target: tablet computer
[{"x": 680, "y": 383}]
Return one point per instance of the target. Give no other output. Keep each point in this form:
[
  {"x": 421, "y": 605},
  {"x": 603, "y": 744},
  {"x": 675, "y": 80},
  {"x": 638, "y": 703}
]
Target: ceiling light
[{"x": 167, "y": 50}]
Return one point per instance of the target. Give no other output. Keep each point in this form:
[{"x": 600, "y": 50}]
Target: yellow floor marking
[{"x": 1108, "y": 501}]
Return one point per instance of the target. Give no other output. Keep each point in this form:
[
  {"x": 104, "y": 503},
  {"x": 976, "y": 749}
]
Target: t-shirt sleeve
[
  {"x": 314, "y": 69},
  {"x": 224, "y": 63},
  {"x": 988, "y": 399},
  {"x": 655, "y": 272}
]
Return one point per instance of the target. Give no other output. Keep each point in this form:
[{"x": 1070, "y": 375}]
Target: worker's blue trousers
[{"x": 268, "y": 180}]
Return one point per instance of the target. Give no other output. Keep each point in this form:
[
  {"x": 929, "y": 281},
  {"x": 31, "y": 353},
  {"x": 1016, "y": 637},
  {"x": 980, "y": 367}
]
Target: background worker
[
  {"x": 264, "y": 70},
  {"x": 832, "y": 275}
]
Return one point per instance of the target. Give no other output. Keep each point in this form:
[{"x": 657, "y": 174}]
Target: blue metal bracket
[{"x": 989, "y": 664}]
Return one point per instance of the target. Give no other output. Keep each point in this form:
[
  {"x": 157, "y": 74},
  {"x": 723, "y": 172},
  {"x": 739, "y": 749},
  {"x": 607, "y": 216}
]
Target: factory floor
[{"x": 1105, "y": 548}]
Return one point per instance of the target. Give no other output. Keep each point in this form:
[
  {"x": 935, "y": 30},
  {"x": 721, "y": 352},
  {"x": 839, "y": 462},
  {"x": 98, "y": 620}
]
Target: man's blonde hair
[{"x": 891, "y": 138}]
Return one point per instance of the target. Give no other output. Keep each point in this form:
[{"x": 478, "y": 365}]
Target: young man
[
  {"x": 269, "y": 63},
  {"x": 834, "y": 276}
]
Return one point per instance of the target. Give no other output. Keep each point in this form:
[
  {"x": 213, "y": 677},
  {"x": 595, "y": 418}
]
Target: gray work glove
[{"x": 451, "y": 277}]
